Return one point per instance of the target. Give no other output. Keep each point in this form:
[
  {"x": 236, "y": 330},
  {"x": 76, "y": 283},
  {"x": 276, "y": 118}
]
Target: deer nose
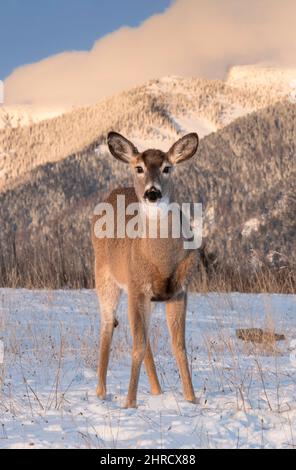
[{"x": 152, "y": 194}]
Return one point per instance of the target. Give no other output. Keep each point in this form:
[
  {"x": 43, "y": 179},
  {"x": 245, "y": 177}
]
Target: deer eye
[
  {"x": 166, "y": 169},
  {"x": 139, "y": 170}
]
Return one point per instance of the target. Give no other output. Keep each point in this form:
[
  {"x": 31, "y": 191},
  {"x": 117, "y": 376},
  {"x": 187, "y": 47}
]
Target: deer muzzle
[{"x": 152, "y": 194}]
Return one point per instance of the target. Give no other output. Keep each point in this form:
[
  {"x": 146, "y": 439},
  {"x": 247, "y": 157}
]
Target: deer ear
[
  {"x": 121, "y": 148},
  {"x": 184, "y": 148}
]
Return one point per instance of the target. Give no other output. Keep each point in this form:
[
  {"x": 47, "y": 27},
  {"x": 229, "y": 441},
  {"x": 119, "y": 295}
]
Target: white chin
[{"x": 155, "y": 209}]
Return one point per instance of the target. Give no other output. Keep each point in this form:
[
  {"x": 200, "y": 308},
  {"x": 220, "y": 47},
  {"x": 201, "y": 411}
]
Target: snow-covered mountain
[
  {"x": 271, "y": 83},
  {"x": 26, "y": 115},
  {"x": 275, "y": 81},
  {"x": 152, "y": 115}
]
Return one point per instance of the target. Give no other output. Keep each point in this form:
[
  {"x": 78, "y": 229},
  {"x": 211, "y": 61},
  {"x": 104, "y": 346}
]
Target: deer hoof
[
  {"x": 101, "y": 393},
  {"x": 130, "y": 404},
  {"x": 194, "y": 400}
]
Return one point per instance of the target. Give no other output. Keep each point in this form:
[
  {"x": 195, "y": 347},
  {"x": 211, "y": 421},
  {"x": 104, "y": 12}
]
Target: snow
[
  {"x": 156, "y": 141},
  {"x": 234, "y": 112},
  {"x": 192, "y": 123},
  {"x": 170, "y": 84},
  {"x": 292, "y": 95},
  {"x": 247, "y": 394},
  {"x": 274, "y": 80},
  {"x": 23, "y": 115}
]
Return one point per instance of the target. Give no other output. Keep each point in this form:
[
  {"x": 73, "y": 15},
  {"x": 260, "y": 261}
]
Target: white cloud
[{"x": 193, "y": 37}]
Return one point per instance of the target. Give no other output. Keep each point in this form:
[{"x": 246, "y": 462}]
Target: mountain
[
  {"x": 153, "y": 115},
  {"x": 275, "y": 81}
]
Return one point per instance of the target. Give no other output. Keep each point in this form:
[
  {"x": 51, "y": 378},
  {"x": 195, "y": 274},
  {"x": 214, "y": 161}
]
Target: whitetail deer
[{"x": 149, "y": 269}]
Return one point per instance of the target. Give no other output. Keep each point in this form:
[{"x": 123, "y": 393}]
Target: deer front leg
[
  {"x": 176, "y": 318},
  {"x": 139, "y": 312},
  {"x": 151, "y": 371}
]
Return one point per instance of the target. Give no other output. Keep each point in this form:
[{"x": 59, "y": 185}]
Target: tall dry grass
[{"x": 56, "y": 264}]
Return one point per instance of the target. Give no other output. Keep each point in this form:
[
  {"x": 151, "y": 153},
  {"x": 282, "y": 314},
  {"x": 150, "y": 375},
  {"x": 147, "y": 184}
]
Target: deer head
[{"x": 153, "y": 169}]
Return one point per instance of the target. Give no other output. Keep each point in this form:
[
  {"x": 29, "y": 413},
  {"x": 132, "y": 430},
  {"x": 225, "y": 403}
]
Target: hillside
[
  {"x": 276, "y": 82},
  {"x": 244, "y": 174},
  {"x": 153, "y": 115},
  {"x": 19, "y": 116}
]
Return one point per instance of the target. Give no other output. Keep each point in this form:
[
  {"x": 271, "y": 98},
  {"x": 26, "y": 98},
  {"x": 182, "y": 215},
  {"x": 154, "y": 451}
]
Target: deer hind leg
[
  {"x": 139, "y": 312},
  {"x": 108, "y": 293},
  {"x": 176, "y": 318}
]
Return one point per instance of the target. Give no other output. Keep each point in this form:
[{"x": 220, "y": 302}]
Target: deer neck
[{"x": 165, "y": 252}]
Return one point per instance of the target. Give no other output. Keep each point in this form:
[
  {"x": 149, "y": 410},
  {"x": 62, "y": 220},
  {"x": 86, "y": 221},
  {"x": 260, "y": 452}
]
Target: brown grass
[
  {"x": 56, "y": 265},
  {"x": 222, "y": 279}
]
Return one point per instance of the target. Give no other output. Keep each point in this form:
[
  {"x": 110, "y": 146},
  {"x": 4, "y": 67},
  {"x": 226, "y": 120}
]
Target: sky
[
  {"x": 92, "y": 49},
  {"x": 31, "y": 30}
]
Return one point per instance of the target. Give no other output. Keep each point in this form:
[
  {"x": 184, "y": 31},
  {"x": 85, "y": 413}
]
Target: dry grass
[
  {"x": 221, "y": 279},
  {"x": 57, "y": 264}
]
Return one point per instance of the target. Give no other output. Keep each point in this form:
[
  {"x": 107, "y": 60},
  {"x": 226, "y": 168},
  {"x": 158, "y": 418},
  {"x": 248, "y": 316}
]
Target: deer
[{"x": 149, "y": 270}]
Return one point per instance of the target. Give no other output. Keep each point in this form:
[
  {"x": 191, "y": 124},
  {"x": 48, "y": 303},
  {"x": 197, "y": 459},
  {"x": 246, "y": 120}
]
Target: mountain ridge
[{"x": 152, "y": 114}]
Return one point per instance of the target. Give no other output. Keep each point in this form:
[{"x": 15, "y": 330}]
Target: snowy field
[{"x": 48, "y": 377}]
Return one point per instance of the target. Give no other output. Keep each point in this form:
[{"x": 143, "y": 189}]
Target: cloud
[{"x": 191, "y": 38}]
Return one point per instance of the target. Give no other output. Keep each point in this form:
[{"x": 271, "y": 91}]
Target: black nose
[{"x": 152, "y": 194}]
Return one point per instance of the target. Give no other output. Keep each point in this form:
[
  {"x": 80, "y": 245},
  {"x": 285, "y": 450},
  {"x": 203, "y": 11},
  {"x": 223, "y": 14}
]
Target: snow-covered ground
[{"x": 48, "y": 377}]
